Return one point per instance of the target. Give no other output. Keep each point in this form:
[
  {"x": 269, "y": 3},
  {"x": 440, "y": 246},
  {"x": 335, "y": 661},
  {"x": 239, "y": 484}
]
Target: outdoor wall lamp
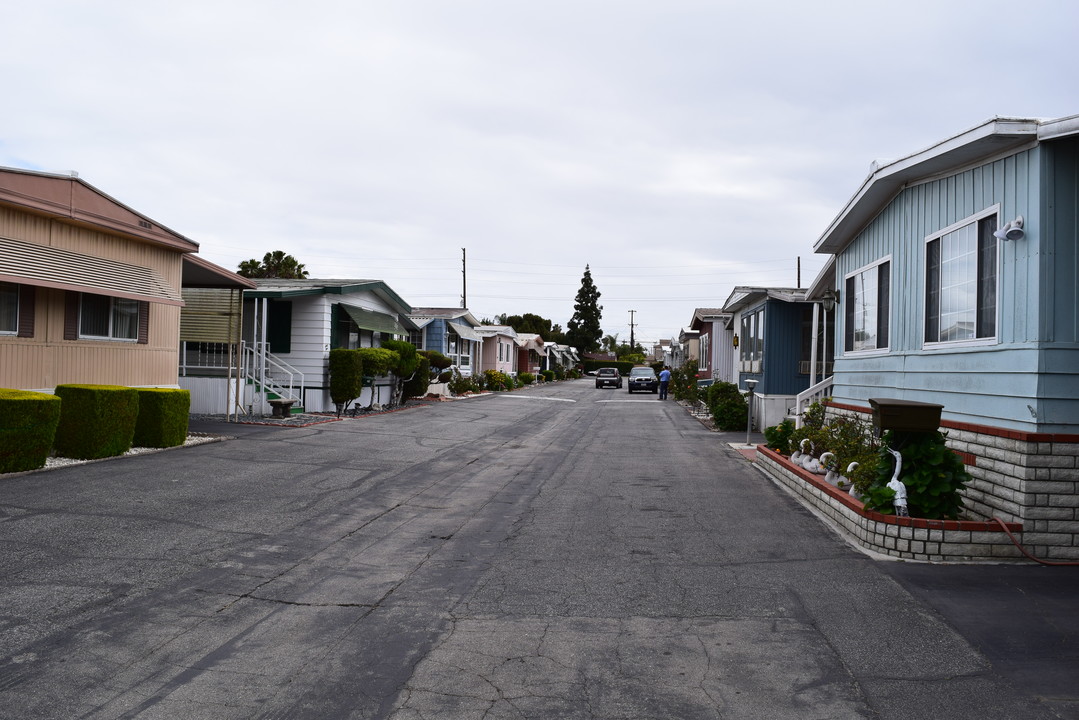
[
  {"x": 1011, "y": 231},
  {"x": 736, "y": 340},
  {"x": 828, "y": 299}
]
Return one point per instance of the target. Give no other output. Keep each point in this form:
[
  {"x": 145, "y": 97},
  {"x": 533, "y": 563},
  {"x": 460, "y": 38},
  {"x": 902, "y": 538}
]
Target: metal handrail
[{"x": 260, "y": 366}]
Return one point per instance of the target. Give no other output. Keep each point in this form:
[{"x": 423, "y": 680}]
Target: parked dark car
[
  {"x": 643, "y": 378},
  {"x": 608, "y": 377}
]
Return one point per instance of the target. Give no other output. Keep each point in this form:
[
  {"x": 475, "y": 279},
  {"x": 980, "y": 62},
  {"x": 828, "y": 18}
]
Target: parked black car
[
  {"x": 608, "y": 377},
  {"x": 643, "y": 378}
]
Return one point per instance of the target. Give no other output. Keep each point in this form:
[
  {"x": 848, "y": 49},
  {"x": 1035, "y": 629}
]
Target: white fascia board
[{"x": 887, "y": 179}]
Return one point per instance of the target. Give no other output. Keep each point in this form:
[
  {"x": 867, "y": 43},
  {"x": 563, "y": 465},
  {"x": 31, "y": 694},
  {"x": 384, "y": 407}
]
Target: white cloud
[{"x": 679, "y": 147}]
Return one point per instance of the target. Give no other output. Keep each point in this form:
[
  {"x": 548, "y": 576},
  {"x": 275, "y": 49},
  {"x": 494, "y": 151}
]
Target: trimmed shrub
[
  {"x": 346, "y": 377},
  {"x": 162, "y": 419},
  {"x": 438, "y": 361},
  {"x": 96, "y": 421},
  {"x": 378, "y": 361},
  {"x": 527, "y": 378},
  {"x": 28, "y": 423},
  {"x": 407, "y": 357},
  {"x": 417, "y": 386},
  {"x": 548, "y": 375}
]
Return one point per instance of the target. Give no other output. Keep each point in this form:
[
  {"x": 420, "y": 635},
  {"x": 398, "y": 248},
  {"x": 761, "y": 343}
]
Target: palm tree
[{"x": 610, "y": 342}]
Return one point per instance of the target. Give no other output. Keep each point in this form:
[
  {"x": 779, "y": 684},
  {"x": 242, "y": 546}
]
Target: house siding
[
  {"x": 47, "y": 359},
  {"x": 990, "y": 383}
]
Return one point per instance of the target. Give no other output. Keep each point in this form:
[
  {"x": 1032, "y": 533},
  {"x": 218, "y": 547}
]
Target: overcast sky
[{"x": 678, "y": 147}]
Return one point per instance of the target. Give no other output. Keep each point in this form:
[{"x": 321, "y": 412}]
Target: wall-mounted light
[
  {"x": 736, "y": 340},
  {"x": 1011, "y": 231},
  {"x": 828, "y": 299}
]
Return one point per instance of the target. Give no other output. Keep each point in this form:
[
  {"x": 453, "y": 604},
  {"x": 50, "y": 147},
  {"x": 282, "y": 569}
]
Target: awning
[
  {"x": 32, "y": 264},
  {"x": 373, "y": 320},
  {"x": 466, "y": 332}
]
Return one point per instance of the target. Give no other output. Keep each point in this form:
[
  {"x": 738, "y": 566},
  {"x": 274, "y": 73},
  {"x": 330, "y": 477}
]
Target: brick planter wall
[
  {"x": 908, "y": 538},
  {"x": 1021, "y": 477}
]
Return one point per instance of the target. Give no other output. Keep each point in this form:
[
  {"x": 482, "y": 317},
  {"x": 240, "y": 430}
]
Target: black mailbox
[{"x": 905, "y": 415}]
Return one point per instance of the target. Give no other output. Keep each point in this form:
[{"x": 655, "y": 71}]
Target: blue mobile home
[
  {"x": 773, "y": 329},
  {"x": 955, "y": 270}
]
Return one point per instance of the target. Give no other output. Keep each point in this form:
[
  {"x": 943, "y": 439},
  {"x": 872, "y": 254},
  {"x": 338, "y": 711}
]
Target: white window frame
[
  {"x": 946, "y": 344},
  {"x": 112, "y": 320},
  {"x": 841, "y": 309}
]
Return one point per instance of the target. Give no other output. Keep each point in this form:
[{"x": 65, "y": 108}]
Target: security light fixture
[{"x": 1011, "y": 231}]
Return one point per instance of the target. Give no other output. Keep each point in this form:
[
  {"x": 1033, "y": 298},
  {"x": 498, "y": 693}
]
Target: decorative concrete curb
[{"x": 906, "y": 538}]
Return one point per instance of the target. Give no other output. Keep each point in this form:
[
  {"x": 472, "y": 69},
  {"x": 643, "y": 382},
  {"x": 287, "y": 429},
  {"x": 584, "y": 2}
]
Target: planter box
[{"x": 907, "y": 538}]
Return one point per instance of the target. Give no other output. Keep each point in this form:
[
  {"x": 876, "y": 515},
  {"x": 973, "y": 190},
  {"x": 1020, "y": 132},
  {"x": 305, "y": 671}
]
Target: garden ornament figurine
[
  {"x": 828, "y": 462},
  {"x": 897, "y": 486},
  {"x": 796, "y": 456}
]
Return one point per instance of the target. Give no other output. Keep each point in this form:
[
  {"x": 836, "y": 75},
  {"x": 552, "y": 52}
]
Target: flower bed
[{"x": 900, "y": 537}]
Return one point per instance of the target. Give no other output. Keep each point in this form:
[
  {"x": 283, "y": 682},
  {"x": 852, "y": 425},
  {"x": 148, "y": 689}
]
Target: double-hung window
[
  {"x": 866, "y": 302},
  {"x": 961, "y": 282},
  {"x": 109, "y": 318}
]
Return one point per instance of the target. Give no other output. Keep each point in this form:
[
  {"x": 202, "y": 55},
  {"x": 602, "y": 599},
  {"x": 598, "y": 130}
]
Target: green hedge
[
  {"x": 96, "y": 421},
  {"x": 346, "y": 376},
  {"x": 162, "y": 419},
  {"x": 420, "y": 382},
  {"x": 623, "y": 367},
  {"x": 28, "y": 423}
]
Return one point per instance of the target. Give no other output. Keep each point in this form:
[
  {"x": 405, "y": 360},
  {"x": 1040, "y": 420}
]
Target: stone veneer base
[{"x": 906, "y": 538}]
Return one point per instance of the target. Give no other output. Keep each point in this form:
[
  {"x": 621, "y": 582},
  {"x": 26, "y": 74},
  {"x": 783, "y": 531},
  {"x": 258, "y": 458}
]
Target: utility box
[{"x": 905, "y": 415}]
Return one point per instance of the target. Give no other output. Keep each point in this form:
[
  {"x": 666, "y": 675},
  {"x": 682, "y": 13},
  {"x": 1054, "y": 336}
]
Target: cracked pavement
[{"x": 497, "y": 557}]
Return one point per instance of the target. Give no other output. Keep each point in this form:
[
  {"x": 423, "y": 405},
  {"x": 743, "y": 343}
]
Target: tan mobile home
[{"x": 89, "y": 288}]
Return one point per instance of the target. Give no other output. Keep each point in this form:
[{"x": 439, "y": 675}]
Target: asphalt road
[{"x": 561, "y": 552}]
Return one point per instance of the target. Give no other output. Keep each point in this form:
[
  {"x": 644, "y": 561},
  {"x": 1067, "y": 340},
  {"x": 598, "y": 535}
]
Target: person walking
[{"x": 664, "y": 381}]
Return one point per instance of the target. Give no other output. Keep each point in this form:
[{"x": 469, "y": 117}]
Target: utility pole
[
  {"x": 464, "y": 281},
  {"x": 632, "y": 345}
]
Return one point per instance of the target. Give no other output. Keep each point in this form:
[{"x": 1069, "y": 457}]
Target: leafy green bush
[
  {"x": 459, "y": 384},
  {"x": 933, "y": 473},
  {"x": 346, "y": 376},
  {"x": 684, "y": 383},
  {"x": 778, "y": 437},
  {"x": 162, "y": 418},
  {"x": 527, "y": 378},
  {"x": 849, "y": 439},
  {"x": 548, "y": 375},
  {"x": 96, "y": 421},
  {"x": 726, "y": 405},
  {"x": 28, "y": 423}
]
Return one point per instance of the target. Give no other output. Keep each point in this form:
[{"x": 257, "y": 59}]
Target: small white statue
[
  {"x": 828, "y": 463},
  {"x": 897, "y": 486},
  {"x": 797, "y": 455}
]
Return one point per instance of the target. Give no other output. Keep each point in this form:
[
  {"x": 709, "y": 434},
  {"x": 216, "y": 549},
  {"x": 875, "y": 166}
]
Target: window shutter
[
  {"x": 27, "y": 295},
  {"x": 144, "y": 323},
  {"x": 71, "y": 315},
  {"x": 279, "y": 327}
]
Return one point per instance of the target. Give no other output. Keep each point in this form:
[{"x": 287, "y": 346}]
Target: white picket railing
[{"x": 807, "y": 397}]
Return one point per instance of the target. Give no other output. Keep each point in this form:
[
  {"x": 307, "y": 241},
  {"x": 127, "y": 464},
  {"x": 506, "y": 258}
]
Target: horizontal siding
[{"x": 47, "y": 359}]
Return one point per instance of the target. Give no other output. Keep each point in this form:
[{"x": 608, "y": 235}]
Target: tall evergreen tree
[{"x": 583, "y": 331}]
